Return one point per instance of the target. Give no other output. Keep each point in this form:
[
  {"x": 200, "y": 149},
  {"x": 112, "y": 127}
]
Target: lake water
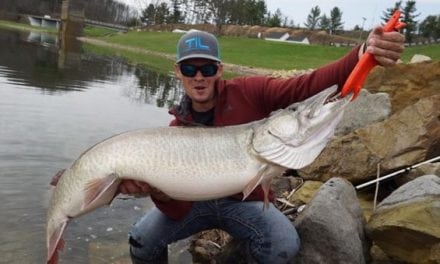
[{"x": 53, "y": 105}]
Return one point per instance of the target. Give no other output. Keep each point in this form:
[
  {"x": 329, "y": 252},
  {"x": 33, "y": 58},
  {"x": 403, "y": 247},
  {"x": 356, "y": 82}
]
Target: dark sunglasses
[{"x": 207, "y": 70}]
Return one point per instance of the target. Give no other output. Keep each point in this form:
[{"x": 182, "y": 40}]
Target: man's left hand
[{"x": 386, "y": 47}]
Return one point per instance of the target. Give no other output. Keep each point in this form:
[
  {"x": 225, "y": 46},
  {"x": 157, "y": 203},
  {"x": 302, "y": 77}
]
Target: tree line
[
  {"x": 254, "y": 12},
  {"x": 428, "y": 28},
  {"x": 219, "y": 12}
]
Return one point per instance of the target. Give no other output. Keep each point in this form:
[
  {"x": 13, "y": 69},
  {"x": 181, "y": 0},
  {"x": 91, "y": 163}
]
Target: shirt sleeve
[{"x": 275, "y": 93}]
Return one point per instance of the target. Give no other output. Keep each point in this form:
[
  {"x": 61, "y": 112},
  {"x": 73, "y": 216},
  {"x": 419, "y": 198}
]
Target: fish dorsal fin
[{"x": 100, "y": 191}]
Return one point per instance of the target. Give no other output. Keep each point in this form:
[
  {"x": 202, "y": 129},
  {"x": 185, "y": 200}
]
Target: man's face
[{"x": 200, "y": 88}]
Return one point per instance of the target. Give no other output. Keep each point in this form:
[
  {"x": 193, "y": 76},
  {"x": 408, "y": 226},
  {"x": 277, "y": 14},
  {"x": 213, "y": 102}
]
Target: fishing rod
[{"x": 363, "y": 185}]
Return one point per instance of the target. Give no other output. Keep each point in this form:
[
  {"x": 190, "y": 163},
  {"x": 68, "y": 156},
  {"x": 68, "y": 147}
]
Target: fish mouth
[
  {"x": 335, "y": 101},
  {"x": 332, "y": 98},
  {"x": 335, "y": 97}
]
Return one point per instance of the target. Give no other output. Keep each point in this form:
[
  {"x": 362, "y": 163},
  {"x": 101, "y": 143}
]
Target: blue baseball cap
[{"x": 198, "y": 44}]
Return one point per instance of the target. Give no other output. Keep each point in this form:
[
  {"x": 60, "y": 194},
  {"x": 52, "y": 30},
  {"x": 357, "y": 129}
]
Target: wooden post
[{"x": 72, "y": 24}]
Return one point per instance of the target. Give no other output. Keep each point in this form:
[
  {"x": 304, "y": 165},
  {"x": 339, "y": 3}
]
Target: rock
[
  {"x": 331, "y": 226},
  {"x": 405, "y": 83},
  {"x": 207, "y": 246},
  {"x": 417, "y": 58},
  {"x": 346, "y": 156},
  {"x": 406, "y": 225},
  {"x": 235, "y": 252},
  {"x": 366, "y": 109},
  {"x": 305, "y": 193},
  {"x": 281, "y": 186},
  {"x": 425, "y": 169},
  {"x": 366, "y": 201},
  {"x": 379, "y": 257},
  {"x": 407, "y": 137}
]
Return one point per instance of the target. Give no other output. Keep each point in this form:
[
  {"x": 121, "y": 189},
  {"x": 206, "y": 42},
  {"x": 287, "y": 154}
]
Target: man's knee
[
  {"x": 276, "y": 253},
  {"x": 280, "y": 248},
  {"x": 288, "y": 246},
  {"x": 291, "y": 248}
]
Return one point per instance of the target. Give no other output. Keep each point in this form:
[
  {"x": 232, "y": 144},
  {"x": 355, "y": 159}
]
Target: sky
[{"x": 353, "y": 11}]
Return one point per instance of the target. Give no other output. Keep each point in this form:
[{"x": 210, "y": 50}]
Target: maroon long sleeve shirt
[{"x": 246, "y": 99}]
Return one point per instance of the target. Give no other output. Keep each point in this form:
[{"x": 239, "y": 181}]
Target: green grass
[
  {"x": 155, "y": 41},
  {"x": 277, "y": 55},
  {"x": 91, "y": 31},
  {"x": 257, "y": 52},
  {"x": 240, "y": 50},
  {"x": 154, "y": 62},
  {"x": 432, "y": 51}
]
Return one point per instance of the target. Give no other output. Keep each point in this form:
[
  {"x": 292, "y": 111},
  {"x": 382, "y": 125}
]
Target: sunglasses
[{"x": 207, "y": 70}]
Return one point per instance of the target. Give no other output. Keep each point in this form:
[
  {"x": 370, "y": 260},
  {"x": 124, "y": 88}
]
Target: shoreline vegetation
[{"x": 241, "y": 55}]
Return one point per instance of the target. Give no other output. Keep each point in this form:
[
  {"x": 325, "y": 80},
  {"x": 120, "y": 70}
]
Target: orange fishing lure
[{"x": 367, "y": 62}]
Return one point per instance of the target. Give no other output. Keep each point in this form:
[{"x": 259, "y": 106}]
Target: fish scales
[{"x": 216, "y": 160}]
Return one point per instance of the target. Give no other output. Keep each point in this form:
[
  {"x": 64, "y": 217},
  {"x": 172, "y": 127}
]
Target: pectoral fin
[
  {"x": 254, "y": 182},
  {"x": 265, "y": 185},
  {"x": 101, "y": 191},
  {"x": 263, "y": 177}
]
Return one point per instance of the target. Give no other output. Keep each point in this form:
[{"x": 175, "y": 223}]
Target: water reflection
[
  {"x": 155, "y": 88},
  {"x": 45, "y": 39},
  {"x": 31, "y": 64},
  {"x": 49, "y": 115},
  {"x": 34, "y": 63}
]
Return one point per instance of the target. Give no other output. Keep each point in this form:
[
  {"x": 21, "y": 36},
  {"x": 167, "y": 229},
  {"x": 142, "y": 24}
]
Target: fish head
[
  {"x": 302, "y": 120},
  {"x": 294, "y": 136}
]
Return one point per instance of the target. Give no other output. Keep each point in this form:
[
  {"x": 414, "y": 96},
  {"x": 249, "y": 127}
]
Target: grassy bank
[
  {"x": 256, "y": 52},
  {"x": 154, "y": 62},
  {"x": 241, "y": 51},
  {"x": 432, "y": 51}
]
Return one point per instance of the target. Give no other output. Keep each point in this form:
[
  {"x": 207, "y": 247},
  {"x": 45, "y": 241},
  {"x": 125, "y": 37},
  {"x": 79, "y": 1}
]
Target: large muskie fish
[{"x": 194, "y": 163}]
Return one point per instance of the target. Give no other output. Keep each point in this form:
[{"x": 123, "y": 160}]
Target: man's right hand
[{"x": 139, "y": 189}]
